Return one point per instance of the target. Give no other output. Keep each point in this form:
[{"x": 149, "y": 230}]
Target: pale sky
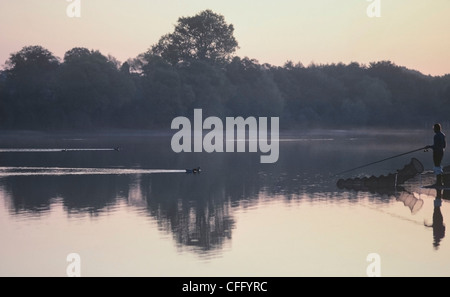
[{"x": 410, "y": 33}]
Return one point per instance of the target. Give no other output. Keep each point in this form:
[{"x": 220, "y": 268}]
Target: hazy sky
[{"x": 411, "y": 33}]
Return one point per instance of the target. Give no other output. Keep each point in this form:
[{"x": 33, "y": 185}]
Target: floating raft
[{"x": 391, "y": 180}]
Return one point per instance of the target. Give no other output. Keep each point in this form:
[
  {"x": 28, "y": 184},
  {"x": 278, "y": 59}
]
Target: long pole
[{"x": 362, "y": 166}]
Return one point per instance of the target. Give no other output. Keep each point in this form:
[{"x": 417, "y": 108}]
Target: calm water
[{"x": 135, "y": 212}]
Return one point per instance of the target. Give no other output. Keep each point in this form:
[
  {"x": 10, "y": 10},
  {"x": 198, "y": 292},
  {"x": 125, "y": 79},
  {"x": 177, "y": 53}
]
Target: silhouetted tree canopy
[
  {"x": 31, "y": 58},
  {"x": 194, "y": 68},
  {"x": 30, "y": 88},
  {"x": 205, "y": 37},
  {"x": 91, "y": 88}
]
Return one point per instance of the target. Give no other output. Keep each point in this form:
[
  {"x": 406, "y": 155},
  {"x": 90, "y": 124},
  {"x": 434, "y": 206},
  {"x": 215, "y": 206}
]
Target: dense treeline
[{"x": 89, "y": 90}]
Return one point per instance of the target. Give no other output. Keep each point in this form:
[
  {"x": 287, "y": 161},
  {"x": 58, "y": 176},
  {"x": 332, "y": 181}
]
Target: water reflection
[
  {"x": 197, "y": 219},
  {"x": 197, "y": 210},
  {"x": 438, "y": 220},
  {"x": 80, "y": 194}
]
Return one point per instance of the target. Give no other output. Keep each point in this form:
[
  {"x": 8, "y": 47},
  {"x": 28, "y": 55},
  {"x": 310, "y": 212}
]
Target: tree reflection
[
  {"x": 195, "y": 209},
  {"x": 199, "y": 216},
  {"x": 198, "y": 219},
  {"x": 83, "y": 194}
]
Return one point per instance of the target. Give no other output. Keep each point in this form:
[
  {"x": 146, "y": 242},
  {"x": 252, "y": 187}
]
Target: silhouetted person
[
  {"x": 438, "y": 220},
  {"x": 438, "y": 147}
]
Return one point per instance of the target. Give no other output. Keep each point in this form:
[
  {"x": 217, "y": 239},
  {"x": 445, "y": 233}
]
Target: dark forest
[{"x": 195, "y": 67}]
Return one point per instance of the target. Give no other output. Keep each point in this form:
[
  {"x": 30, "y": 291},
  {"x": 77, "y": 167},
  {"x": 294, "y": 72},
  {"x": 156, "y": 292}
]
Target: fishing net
[
  {"x": 410, "y": 201},
  {"x": 410, "y": 170}
]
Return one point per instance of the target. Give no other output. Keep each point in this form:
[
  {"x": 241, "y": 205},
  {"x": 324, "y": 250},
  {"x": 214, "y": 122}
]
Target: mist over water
[{"x": 136, "y": 212}]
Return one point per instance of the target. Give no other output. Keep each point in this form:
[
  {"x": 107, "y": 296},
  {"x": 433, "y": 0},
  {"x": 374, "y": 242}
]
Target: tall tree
[
  {"x": 255, "y": 91},
  {"x": 92, "y": 88},
  {"x": 31, "y": 58},
  {"x": 30, "y": 79},
  {"x": 205, "y": 36}
]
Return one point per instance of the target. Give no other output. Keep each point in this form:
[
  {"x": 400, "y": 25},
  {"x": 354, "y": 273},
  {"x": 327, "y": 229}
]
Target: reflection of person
[
  {"x": 438, "y": 220},
  {"x": 438, "y": 148}
]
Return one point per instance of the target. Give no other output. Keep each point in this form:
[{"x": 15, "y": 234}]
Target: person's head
[{"x": 437, "y": 127}]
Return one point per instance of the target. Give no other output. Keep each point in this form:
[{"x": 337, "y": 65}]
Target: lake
[{"x": 136, "y": 212}]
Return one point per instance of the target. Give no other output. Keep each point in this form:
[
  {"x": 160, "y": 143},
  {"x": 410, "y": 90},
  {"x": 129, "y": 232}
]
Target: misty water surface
[{"x": 135, "y": 212}]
